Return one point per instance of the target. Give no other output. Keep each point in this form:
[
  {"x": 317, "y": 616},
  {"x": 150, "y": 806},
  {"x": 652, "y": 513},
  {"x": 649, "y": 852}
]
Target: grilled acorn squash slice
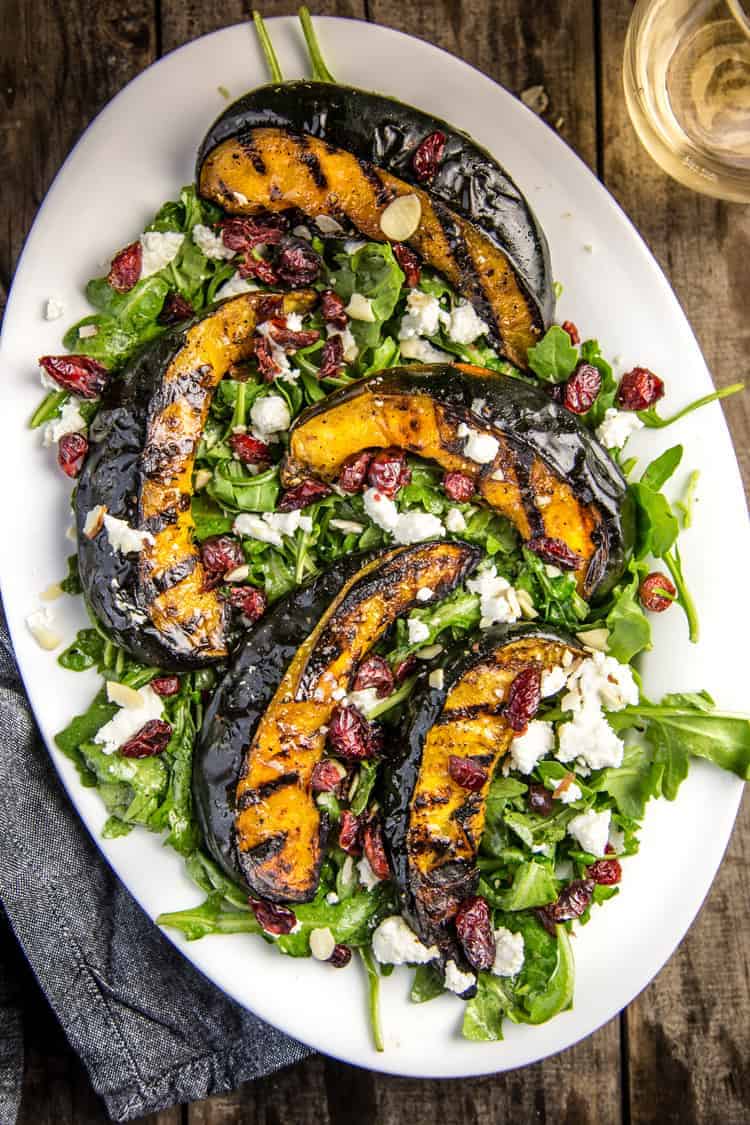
[
  {"x": 432, "y": 825},
  {"x": 140, "y": 468},
  {"x": 241, "y": 698},
  {"x": 270, "y": 169},
  {"x": 549, "y": 476},
  {"x": 278, "y": 826},
  {"x": 384, "y": 133}
]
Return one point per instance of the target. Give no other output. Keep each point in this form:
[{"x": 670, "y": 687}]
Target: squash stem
[
  {"x": 320, "y": 71},
  {"x": 373, "y": 985},
  {"x": 265, "y": 42}
]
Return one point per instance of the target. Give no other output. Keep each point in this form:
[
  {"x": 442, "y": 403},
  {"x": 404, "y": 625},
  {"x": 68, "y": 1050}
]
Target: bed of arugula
[{"x": 155, "y": 793}]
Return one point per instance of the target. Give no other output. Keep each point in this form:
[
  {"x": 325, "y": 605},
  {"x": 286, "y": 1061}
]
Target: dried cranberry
[
  {"x": 404, "y": 669},
  {"x": 374, "y": 847},
  {"x": 375, "y": 672},
  {"x": 571, "y": 903},
  {"x": 524, "y": 697},
  {"x": 269, "y": 306},
  {"x": 79, "y": 374},
  {"x": 348, "y": 733},
  {"x": 606, "y": 872},
  {"x": 540, "y": 800},
  {"x": 125, "y": 269},
  {"x": 289, "y": 340},
  {"x": 265, "y": 358},
  {"x": 242, "y": 235},
  {"x": 569, "y": 327},
  {"x": 220, "y": 554},
  {"x": 657, "y": 592},
  {"x": 249, "y": 450},
  {"x": 428, "y": 155},
  {"x": 175, "y": 309},
  {"x": 354, "y": 472},
  {"x": 327, "y": 776},
  {"x": 554, "y": 551},
  {"x": 388, "y": 471},
  {"x": 340, "y": 957},
  {"x": 150, "y": 740},
  {"x": 333, "y": 308},
  {"x": 467, "y": 773},
  {"x": 273, "y": 918},
  {"x": 458, "y": 486},
  {"x": 166, "y": 685},
  {"x": 71, "y": 452},
  {"x": 582, "y": 388},
  {"x": 639, "y": 389},
  {"x": 251, "y": 602},
  {"x": 331, "y": 358},
  {"x": 350, "y": 831},
  {"x": 474, "y": 929},
  {"x": 259, "y": 268},
  {"x": 302, "y": 495},
  {"x": 409, "y": 263},
  {"x": 297, "y": 263}
]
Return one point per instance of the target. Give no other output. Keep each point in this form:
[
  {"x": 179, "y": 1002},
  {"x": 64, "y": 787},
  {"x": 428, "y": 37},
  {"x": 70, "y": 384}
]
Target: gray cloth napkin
[{"x": 150, "y": 1029}]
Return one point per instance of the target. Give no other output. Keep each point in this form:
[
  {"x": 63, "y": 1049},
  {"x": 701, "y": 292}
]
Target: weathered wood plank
[{"x": 688, "y": 1035}]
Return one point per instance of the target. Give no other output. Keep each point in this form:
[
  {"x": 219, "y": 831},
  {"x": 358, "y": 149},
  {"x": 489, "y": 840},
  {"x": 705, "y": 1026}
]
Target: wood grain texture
[
  {"x": 688, "y": 1035},
  {"x": 685, "y": 1041}
]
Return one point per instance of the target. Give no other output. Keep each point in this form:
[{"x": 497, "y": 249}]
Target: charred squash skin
[
  {"x": 241, "y": 699},
  {"x": 432, "y": 826},
  {"x": 550, "y": 478},
  {"x": 140, "y": 468},
  {"x": 273, "y": 170},
  {"x": 279, "y": 830},
  {"x": 386, "y": 133}
]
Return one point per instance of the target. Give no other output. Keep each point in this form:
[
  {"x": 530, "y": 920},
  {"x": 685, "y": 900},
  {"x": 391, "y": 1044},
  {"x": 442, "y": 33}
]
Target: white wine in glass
[{"x": 687, "y": 86}]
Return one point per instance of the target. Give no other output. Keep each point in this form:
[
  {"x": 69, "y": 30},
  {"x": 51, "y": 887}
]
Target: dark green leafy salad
[{"x": 565, "y": 804}]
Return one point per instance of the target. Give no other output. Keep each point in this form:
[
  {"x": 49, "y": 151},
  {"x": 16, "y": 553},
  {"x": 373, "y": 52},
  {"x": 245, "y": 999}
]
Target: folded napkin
[{"x": 149, "y": 1028}]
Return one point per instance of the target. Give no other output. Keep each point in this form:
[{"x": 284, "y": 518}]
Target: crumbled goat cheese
[
  {"x": 348, "y": 343},
  {"x": 588, "y": 737},
  {"x": 600, "y": 681},
  {"x": 212, "y": 245},
  {"x": 498, "y": 599},
  {"x": 420, "y": 349},
  {"x": 436, "y": 678},
  {"x": 71, "y": 421},
  {"x": 591, "y": 830},
  {"x": 423, "y": 317},
  {"x": 159, "y": 248},
  {"x": 530, "y": 747},
  {"x": 381, "y": 509},
  {"x": 332, "y": 898},
  {"x": 425, "y": 594},
  {"x": 365, "y": 700},
  {"x": 271, "y": 526},
  {"x": 481, "y": 448},
  {"x": 418, "y": 631},
  {"x": 40, "y": 625},
  {"x": 360, "y": 308},
  {"x": 616, "y": 839},
  {"x": 570, "y": 794},
  {"x": 509, "y": 953},
  {"x": 53, "y": 309},
  {"x": 129, "y": 720},
  {"x": 234, "y": 287},
  {"x": 553, "y": 681},
  {"x": 270, "y": 414},
  {"x": 415, "y": 527},
  {"x": 456, "y": 980},
  {"x": 123, "y": 537},
  {"x": 455, "y": 521},
  {"x": 465, "y": 326},
  {"x": 367, "y": 876},
  {"x": 395, "y": 943},
  {"x": 617, "y": 427}
]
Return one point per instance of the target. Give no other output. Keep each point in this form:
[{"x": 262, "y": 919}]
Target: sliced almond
[
  {"x": 322, "y": 943},
  {"x": 401, "y": 218},
  {"x": 94, "y": 521},
  {"x": 52, "y": 593},
  {"x": 428, "y": 652},
  {"x": 526, "y": 604},
  {"x": 348, "y": 526},
  {"x": 239, "y": 574},
  {"x": 202, "y": 477},
  {"x": 328, "y": 225},
  {"x": 360, "y": 308},
  {"x": 595, "y": 639},
  {"x": 123, "y": 695},
  {"x": 39, "y": 625}
]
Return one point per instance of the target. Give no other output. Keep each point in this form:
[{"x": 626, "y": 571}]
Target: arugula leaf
[
  {"x": 652, "y": 420},
  {"x": 533, "y": 885},
  {"x": 86, "y": 651},
  {"x": 136, "y": 309},
  {"x": 373, "y": 996},
  {"x": 633, "y": 783},
  {"x": 427, "y": 984},
  {"x": 686, "y": 505},
  {"x": 209, "y": 918},
  {"x": 209, "y": 518},
  {"x": 554, "y": 358},
  {"x": 629, "y": 627},
  {"x": 184, "y": 834},
  {"x": 484, "y": 1013},
  {"x": 234, "y": 488},
  {"x": 48, "y": 408},
  {"x": 71, "y": 583},
  {"x": 656, "y": 475},
  {"x": 374, "y": 272},
  {"x": 656, "y": 526}
]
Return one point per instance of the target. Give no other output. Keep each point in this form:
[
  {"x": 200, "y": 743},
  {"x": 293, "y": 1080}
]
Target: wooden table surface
[{"x": 680, "y": 1052}]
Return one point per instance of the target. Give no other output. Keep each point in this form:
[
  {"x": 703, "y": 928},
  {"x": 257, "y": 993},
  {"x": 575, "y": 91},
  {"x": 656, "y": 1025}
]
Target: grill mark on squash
[
  {"x": 383, "y": 194},
  {"x": 467, "y": 267},
  {"x": 158, "y": 582},
  {"x": 262, "y": 792}
]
